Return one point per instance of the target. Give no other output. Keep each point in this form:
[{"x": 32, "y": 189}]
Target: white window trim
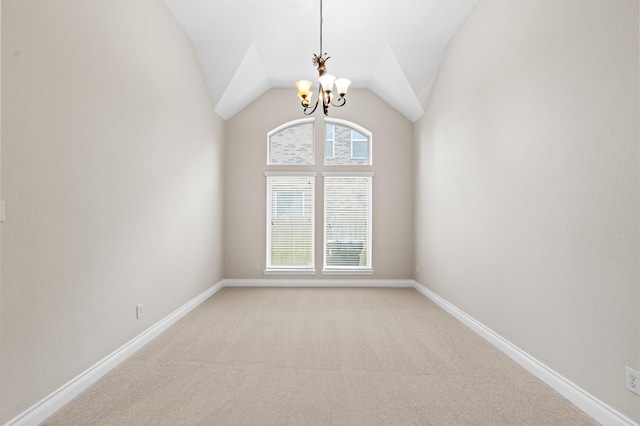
[
  {"x": 290, "y": 271},
  {"x": 348, "y": 174},
  {"x": 341, "y": 270},
  {"x": 285, "y": 126},
  {"x": 347, "y": 271},
  {"x": 279, "y": 173},
  {"x": 353, "y": 126}
]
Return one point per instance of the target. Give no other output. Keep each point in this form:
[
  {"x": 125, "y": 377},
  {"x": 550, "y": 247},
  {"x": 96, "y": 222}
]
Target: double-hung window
[
  {"x": 347, "y": 222},
  {"x": 290, "y": 222}
]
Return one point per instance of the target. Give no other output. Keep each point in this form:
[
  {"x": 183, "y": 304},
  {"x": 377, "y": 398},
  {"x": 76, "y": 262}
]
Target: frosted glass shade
[
  {"x": 342, "y": 84},
  {"x": 327, "y": 82}
]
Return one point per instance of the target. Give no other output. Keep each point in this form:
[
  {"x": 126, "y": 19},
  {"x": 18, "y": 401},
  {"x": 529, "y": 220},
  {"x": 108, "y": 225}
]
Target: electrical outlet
[
  {"x": 256, "y": 266},
  {"x": 139, "y": 311},
  {"x": 633, "y": 381}
]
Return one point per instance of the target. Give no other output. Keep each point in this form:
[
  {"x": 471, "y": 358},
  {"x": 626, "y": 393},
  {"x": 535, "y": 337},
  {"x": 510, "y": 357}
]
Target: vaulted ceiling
[{"x": 391, "y": 47}]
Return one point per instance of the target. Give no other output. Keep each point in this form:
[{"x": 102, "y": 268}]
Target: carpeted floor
[{"x": 319, "y": 356}]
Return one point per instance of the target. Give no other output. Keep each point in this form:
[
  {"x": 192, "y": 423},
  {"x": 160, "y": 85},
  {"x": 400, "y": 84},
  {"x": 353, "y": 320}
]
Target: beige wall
[
  {"x": 112, "y": 175},
  {"x": 525, "y": 175},
  {"x": 527, "y": 184},
  {"x": 245, "y": 203}
]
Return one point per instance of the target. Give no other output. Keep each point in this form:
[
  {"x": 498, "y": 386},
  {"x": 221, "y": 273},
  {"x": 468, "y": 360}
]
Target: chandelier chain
[
  {"x": 325, "y": 83},
  {"x": 320, "y": 53}
]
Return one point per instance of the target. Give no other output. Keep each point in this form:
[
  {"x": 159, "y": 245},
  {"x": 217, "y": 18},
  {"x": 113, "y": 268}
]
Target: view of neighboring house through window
[
  {"x": 346, "y": 144},
  {"x": 328, "y": 142},
  {"x": 359, "y": 145},
  {"x": 347, "y": 227}
]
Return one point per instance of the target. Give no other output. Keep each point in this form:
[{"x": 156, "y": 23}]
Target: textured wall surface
[
  {"x": 245, "y": 227},
  {"x": 527, "y": 184},
  {"x": 112, "y": 174}
]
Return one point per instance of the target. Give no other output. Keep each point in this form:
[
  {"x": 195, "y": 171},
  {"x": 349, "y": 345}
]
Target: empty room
[{"x": 319, "y": 212}]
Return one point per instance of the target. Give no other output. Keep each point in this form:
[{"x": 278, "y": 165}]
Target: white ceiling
[{"x": 391, "y": 47}]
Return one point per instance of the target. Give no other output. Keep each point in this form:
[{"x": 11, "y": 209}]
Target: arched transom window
[{"x": 291, "y": 144}]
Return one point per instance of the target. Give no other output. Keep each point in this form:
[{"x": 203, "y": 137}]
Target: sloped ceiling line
[
  {"x": 390, "y": 83},
  {"x": 248, "y": 82},
  {"x": 246, "y": 47}
]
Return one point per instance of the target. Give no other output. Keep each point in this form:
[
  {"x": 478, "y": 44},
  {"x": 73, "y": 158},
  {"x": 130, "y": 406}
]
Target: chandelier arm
[
  {"x": 306, "y": 107},
  {"x": 341, "y": 101}
]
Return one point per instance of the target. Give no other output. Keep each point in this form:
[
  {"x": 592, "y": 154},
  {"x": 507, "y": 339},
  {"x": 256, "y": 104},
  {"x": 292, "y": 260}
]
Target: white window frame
[
  {"x": 269, "y": 269},
  {"x": 286, "y": 126},
  {"x": 349, "y": 270}
]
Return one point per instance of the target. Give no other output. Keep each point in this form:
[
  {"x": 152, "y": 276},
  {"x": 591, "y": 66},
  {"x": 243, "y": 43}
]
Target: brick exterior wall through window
[
  {"x": 292, "y": 145},
  {"x": 342, "y": 150}
]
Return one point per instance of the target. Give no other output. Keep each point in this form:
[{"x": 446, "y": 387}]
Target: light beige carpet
[{"x": 319, "y": 356}]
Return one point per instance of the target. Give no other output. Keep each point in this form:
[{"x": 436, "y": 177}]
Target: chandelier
[{"x": 325, "y": 84}]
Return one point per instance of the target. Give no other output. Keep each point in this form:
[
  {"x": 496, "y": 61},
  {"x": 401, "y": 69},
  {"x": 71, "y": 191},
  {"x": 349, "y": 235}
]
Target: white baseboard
[
  {"x": 591, "y": 405},
  {"x": 292, "y": 282},
  {"x": 52, "y": 403}
]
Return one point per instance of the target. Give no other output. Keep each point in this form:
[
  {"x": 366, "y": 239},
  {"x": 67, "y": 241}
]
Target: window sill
[
  {"x": 289, "y": 271},
  {"x": 347, "y": 272}
]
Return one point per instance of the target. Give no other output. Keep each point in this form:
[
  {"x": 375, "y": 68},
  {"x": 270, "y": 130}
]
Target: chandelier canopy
[{"x": 325, "y": 84}]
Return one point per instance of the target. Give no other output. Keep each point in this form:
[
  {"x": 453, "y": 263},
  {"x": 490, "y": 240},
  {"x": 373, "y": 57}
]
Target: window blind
[
  {"x": 347, "y": 221},
  {"x": 290, "y": 221}
]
